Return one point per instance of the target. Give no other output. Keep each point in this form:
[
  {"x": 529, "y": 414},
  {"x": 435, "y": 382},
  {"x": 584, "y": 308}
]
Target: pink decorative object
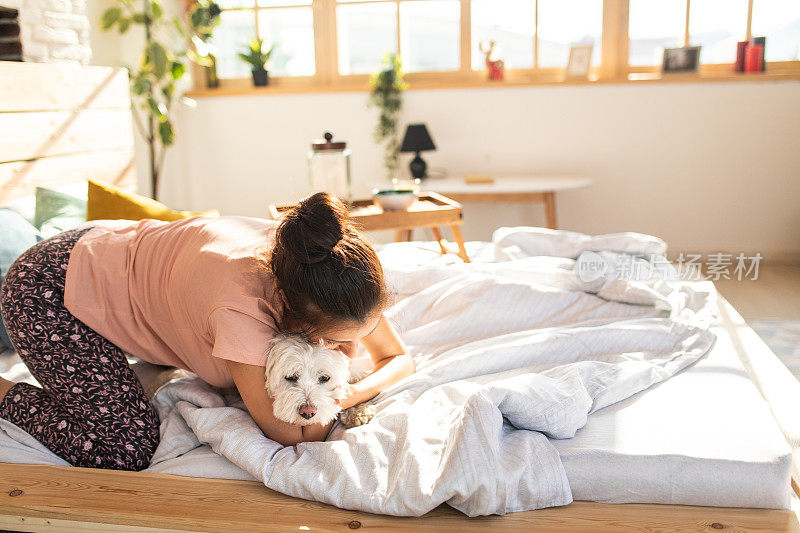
[
  {"x": 741, "y": 51},
  {"x": 754, "y": 58},
  {"x": 495, "y": 67}
]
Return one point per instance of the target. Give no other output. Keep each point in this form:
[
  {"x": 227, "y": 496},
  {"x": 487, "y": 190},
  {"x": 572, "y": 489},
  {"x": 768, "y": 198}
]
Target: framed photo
[
  {"x": 680, "y": 60},
  {"x": 580, "y": 59}
]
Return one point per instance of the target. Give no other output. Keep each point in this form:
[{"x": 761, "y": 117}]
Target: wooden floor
[{"x": 775, "y": 294}]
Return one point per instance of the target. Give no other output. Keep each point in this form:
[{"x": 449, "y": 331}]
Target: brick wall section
[
  {"x": 53, "y": 30},
  {"x": 10, "y": 45}
]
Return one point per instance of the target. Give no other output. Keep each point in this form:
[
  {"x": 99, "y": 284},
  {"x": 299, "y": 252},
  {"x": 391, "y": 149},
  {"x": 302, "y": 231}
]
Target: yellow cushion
[{"x": 107, "y": 202}]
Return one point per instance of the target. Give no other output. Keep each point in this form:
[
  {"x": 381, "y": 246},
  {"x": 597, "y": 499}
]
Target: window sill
[{"x": 277, "y": 87}]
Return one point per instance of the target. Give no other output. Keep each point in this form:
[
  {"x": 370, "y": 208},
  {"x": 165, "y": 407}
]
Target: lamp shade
[{"x": 417, "y": 139}]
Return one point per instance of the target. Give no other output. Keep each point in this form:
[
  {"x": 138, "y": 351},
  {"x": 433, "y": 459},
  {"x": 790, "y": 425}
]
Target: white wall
[
  {"x": 53, "y": 31},
  {"x": 706, "y": 166},
  {"x": 105, "y": 46}
]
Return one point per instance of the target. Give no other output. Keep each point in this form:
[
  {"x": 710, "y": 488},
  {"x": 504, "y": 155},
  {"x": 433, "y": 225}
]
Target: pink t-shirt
[{"x": 190, "y": 293}]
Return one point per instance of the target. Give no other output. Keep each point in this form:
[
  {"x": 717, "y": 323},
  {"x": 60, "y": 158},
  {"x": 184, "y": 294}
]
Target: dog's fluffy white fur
[{"x": 306, "y": 381}]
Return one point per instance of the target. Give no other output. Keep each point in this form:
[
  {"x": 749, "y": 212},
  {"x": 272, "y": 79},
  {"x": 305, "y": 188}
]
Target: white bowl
[{"x": 394, "y": 199}]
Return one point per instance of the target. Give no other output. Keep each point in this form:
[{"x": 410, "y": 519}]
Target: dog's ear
[
  {"x": 281, "y": 349},
  {"x": 274, "y": 351}
]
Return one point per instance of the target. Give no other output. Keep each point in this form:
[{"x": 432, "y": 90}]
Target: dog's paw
[{"x": 358, "y": 415}]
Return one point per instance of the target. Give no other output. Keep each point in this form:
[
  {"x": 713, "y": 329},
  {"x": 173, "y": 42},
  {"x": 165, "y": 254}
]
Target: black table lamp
[{"x": 417, "y": 140}]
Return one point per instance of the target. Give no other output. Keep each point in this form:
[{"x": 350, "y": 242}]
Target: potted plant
[
  {"x": 258, "y": 57},
  {"x": 171, "y": 43},
  {"x": 387, "y": 87}
]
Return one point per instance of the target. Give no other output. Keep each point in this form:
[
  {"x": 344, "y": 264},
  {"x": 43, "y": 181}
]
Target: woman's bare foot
[{"x": 5, "y": 385}]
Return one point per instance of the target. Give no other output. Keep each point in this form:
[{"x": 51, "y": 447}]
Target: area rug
[{"x": 783, "y": 336}]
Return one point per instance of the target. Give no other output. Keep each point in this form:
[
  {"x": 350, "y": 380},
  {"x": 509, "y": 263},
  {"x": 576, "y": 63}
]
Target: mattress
[{"x": 703, "y": 437}]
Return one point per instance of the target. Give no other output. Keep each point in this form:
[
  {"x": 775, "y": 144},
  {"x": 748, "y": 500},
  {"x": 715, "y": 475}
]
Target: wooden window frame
[
  {"x": 710, "y": 69},
  {"x": 613, "y": 68}
]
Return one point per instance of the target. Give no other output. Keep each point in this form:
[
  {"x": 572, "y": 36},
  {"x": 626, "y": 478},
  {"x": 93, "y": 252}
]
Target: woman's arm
[
  {"x": 391, "y": 361},
  {"x": 249, "y": 380}
]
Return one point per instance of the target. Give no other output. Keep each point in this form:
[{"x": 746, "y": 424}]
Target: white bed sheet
[{"x": 704, "y": 437}]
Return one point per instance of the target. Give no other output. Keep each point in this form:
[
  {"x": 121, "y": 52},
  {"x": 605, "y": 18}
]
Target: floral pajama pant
[{"x": 91, "y": 410}]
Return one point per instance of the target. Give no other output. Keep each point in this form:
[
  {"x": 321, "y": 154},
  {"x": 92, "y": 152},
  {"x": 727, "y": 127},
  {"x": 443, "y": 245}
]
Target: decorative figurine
[{"x": 495, "y": 67}]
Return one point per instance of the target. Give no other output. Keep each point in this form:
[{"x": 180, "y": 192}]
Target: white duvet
[{"x": 508, "y": 354}]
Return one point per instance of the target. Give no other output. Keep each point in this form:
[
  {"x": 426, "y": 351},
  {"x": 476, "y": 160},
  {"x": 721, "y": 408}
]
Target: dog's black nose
[{"x": 307, "y": 411}]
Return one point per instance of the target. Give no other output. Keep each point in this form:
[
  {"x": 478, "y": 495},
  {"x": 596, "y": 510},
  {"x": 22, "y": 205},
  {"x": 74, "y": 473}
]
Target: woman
[{"x": 203, "y": 294}]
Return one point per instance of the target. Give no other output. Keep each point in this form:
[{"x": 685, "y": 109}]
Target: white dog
[{"x": 308, "y": 381}]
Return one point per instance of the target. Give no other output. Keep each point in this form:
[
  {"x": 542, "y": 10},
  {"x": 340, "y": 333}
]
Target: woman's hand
[
  {"x": 347, "y": 401},
  {"x": 390, "y": 360}
]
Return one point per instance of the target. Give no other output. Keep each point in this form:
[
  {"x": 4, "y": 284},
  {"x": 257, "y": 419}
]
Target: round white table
[{"x": 536, "y": 189}]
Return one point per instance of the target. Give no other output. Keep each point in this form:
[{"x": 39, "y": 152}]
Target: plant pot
[
  {"x": 212, "y": 80},
  {"x": 260, "y": 77}
]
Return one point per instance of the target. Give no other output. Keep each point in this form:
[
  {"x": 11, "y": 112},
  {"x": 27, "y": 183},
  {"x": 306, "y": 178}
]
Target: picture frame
[
  {"x": 683, "y": 60},
  {"x": 580, "y": 61}
]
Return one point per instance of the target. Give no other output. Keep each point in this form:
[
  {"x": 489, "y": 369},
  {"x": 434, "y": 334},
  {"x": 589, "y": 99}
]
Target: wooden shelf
[{"x": 634, "y": 78}]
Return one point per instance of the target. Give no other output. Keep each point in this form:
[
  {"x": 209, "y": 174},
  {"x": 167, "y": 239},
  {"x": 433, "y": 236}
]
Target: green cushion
[
  {"x": 16, "y": 236},
  {"x": 57, "y": 212}
]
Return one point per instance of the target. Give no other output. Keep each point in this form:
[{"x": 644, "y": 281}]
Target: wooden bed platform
[
  {"x": 61, "y": 125},
  {"x": 48, "y": 498}
]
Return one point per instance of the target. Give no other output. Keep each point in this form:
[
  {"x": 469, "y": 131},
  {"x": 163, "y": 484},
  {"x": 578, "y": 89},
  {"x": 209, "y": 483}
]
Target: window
[
  {"x": 427, "y": 37},
  {"x": 366, "y": 33},
  {"x": 779, "y": 22},
  {"x": 716, "y": 25},
  {"x": 292, "y": 31},
  {"x": 234, "y": 30},
  {"x": 535, "y": 33},
  {"x": 339, "y": 42},
  {"x": 512, "y": 28},
  {"x": 559, "y": 28},
  {"x": 289, "y": 24},
  {"x": 652, "y": 27}
]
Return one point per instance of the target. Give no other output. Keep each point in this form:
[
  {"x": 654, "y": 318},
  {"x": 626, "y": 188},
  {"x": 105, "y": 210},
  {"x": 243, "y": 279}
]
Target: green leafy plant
[
  {"x": 257, "y": 56},
  {"x": 387, "y": 88},
  {"x": 172, "y": 43}
]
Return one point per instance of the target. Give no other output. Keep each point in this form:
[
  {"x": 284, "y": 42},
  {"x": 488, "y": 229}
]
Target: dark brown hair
[{"x": 327, "y": 269}]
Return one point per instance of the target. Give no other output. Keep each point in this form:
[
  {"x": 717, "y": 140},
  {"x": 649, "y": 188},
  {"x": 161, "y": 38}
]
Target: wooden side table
[
  {"x": 535, "y": 189},
  {"x": 431, "y": 210}
]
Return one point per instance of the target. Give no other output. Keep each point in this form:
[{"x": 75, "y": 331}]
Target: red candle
[
  {"x": 754, "y": 58},
  {"x": 741, "y": 48}
]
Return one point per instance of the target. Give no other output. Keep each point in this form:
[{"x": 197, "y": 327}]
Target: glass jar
[{"x": 329, "y": 168}]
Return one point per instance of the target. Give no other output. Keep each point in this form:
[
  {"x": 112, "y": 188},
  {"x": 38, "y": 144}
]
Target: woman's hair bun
[
  {"x": 311, "y": 230},
  {"x": 326, "y": 269}
]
